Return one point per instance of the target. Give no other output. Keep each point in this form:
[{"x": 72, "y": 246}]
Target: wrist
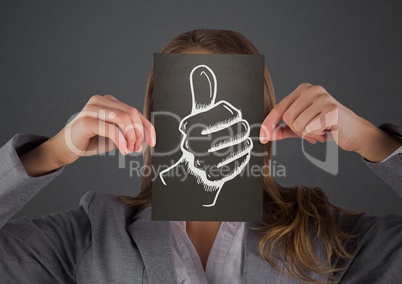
[
  {"x": 52, "y": 153},
  {"x": 40, "y": 160},
  {"x": 377, "y": 144}
]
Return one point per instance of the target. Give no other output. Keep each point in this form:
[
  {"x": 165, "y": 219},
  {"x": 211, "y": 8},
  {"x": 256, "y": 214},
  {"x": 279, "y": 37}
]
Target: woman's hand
[
  {"x": 103, "y": 124},
  {"x": 310, "y": 112}
]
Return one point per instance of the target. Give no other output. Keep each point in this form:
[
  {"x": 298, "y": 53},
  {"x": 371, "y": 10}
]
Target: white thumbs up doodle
[{"x": 223, "y": 147}]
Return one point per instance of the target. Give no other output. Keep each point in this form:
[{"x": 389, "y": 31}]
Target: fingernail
[
  {"x": 263, "y": 138},
  {"x": 139, "y": 149},
  {"x": 131, "y": 149}
]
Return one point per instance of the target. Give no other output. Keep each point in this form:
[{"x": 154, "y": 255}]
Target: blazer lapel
[{"x": 154, "y": 244}]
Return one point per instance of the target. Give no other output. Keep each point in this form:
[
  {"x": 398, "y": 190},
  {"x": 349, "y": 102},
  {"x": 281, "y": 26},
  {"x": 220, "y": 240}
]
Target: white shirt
[{"x": 224, "y": 264}]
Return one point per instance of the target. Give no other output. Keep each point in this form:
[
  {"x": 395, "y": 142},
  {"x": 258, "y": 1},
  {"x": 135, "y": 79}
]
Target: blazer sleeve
[
  {"x": 390, "y": 170},
  {"x": 42, "y": 250},
  {"x": 379, "y": 255}
]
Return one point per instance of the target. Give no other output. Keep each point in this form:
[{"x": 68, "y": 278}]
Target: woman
[{"x": 112, "y": 240}]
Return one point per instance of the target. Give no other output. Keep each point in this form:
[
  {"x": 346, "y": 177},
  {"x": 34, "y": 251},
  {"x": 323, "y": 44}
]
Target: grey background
[{"x": 54, "y": 55}]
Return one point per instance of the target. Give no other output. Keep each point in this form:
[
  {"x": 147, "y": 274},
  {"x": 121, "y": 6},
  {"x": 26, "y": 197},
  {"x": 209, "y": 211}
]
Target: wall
[{"x": 54, "y": 55}]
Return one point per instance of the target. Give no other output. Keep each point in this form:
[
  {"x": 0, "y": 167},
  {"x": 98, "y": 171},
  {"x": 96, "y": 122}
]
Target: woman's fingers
[
  {"x": 102, "y": 125},
  {"x": 111, "y": 97},
  {"x": 143, "y": 128},
  {"x": 133, "y": 129},
  {"x": 113, "y": 133},
  {"x": 114, "y": 116},
  {"x": 150, "y": 132},
  {"x": 283, "y": 131},
  {"x": 89, "y": 127},
  {"x": 269, "y": 124},
  {"x": 302, "y": 112},
  {"x": 136, "y": 130},
  {"x": 312, "y": 113},
  {"x": 101, "y": 145},
  {"x": 309, "y": 104},
  {"x": 136, "y": 124}
]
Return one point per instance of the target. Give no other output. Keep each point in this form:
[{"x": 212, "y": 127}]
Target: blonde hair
[{"x": 294, "y": 218}]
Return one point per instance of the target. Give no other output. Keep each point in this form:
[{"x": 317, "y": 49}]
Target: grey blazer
[{"x": 104, "y": 241}]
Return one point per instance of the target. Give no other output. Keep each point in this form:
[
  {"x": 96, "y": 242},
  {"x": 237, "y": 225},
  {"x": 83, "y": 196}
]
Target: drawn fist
[{"x": 215, "y": 144}]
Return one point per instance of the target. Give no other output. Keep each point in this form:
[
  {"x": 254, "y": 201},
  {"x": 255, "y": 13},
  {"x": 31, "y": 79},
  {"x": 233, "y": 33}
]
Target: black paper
[{"x": 207, "y": 111}]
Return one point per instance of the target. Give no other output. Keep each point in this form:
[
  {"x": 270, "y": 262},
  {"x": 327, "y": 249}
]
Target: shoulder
[
  {"x": 106, "y": 206},
  {"x": 369, "y": 225},
  {"x": 379, "y": 255},
  {"x": 383, "y": 230}
]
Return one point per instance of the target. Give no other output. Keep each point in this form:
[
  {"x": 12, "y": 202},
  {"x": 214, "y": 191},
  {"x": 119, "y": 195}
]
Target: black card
[{"x": 207, "y": 112}]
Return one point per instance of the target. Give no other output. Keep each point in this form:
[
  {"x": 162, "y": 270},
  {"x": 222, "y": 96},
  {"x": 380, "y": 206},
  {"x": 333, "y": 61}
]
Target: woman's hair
[{"x": 296, "y": 219}]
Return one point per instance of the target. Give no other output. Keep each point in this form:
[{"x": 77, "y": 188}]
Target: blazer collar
[
  {"x": 155, "y": 246},
  {"x": 255, "y": 268}
]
